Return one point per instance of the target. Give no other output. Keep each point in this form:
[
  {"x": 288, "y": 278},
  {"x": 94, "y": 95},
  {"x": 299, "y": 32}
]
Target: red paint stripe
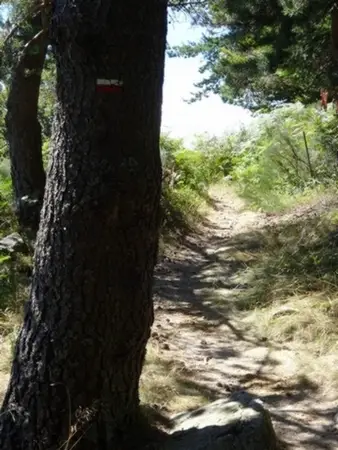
[{"x": 105, "y": 88}]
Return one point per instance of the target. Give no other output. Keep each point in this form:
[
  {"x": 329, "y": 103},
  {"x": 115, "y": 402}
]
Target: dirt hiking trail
[{"x": 214, "y": 348}]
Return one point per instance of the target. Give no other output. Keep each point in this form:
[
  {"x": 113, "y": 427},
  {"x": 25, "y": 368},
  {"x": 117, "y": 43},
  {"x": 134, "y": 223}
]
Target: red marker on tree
[{"x": 103, "y": 85}]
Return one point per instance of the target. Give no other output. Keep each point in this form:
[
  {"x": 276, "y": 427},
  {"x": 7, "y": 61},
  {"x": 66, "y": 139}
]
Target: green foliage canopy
[{"x": 258, "y": 53}]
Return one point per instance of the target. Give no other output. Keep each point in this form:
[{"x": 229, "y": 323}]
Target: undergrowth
[
  {"x": 284, "y": 155},
  {"x": 291, "y": 293},
  {"x": 297, "y": 257},
  {"x": 7, "y": 219},
  {"x": 187, "y": 176}
]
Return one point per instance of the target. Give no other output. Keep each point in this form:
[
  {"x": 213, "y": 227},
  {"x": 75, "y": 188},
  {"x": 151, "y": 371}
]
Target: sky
[
  {"x": 209, "y": 115},
  {"x": 180, "y": 119}
]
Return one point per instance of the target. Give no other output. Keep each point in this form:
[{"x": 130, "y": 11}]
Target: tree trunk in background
[
  {"x": 24, "y": 131},
  {"x": 81, "y": 349},
  {"x": 334, "y": 31}
]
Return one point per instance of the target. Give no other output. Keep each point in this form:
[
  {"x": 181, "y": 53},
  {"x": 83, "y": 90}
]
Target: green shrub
[
  {"x": 11, "y": 282},
  {"x": 217, "y": 156},
  {"x": 187, "y": 177},
  {"x": 7, "y": 218},
  {"x": 208, "y": 162},
  {"x": 182, "y": 209},
  {"x": 284, "y": 154}
]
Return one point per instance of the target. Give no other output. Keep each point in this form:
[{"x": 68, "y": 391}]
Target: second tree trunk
[
  {"x": 80, "y": 352},
  {"x": 24, "y": 130}
]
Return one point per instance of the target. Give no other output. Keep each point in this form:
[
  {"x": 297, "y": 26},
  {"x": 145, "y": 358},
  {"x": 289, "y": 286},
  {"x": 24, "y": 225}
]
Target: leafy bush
[
  {"x": 3, "y": 144},
  {"x": 209, "y": 161},
  {"x": 217, "y": 156},
  {"x": 182, "y": 207},
  {"x": 284, "y": 154},
  {"x": 7, "y": 218},
  {"x": 11, "y": 281},
  {"x": 187, "y": 176}
]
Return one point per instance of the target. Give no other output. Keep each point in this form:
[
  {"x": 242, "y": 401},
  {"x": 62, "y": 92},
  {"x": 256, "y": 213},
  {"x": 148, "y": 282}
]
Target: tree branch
[
  {"x": 40, "y": 8},
  {"x": 33, "y": 40}
]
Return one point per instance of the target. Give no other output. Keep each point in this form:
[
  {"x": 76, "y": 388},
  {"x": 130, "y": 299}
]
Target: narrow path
[{"x": 198, "y": 327}]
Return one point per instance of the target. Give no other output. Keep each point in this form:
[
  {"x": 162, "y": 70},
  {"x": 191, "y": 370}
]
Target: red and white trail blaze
[{"x": 104, "y": 85}]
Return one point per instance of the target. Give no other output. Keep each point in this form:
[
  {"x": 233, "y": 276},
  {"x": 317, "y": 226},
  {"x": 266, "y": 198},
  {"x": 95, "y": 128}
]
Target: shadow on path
[{"x": 202, "y": 283}]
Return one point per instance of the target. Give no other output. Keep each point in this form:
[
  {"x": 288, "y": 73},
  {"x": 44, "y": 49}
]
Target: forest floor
[{"x": 205, "y": 345}]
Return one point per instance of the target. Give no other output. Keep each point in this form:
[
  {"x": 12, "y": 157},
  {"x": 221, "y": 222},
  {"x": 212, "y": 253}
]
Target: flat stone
[{"x": 239, "y": 422}]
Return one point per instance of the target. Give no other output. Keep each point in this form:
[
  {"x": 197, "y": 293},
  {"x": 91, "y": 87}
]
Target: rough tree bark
[
  {"x": 24, "y": 130},
  {"x": 80, "y": 351},
  {"x": 334, "y": 31}
]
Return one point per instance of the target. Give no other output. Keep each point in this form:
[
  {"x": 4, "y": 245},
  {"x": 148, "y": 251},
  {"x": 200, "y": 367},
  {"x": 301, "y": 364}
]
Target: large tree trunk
[
  {"x": 80, "y": 352},
  {"x": 24, "y": 130}
]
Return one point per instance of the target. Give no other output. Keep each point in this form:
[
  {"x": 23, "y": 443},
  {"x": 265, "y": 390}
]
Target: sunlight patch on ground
[
  {"x": 9, "y": 327},
  {"x": 5, "y": 360},
  {"x": 303, "y": 323},
  {"x": 165, "y": 383}
]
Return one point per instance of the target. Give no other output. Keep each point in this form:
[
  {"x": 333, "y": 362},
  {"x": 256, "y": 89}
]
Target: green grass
[
  {"x": 183, "y": 208},
  {"x": 7, "y": 218},
  {"x": 188, "y": 175}
]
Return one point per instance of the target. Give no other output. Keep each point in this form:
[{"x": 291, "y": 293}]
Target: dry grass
[
  {"x": 9, "y": 326},
  {"x": 14, "y": 290},
  {"x": 166, "y": 384},
  {"x": 308, "y": 326},
  {"x": 291, "y": 299},
  {"x": 295, "y": 257},
  {"x": 292, "y": 294}
]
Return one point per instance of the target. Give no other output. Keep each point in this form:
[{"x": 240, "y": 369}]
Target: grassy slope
[{"x": 289, "y": 266}]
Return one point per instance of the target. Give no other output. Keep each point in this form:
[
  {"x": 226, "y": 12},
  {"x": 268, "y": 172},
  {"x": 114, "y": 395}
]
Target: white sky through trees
[{"x": 209, "y": 115}]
